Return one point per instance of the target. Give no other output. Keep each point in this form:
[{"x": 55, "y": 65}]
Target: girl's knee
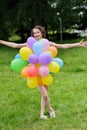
[{"x": 45, "y": 97}]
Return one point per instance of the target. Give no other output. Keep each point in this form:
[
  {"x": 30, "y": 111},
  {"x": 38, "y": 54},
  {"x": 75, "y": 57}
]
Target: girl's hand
[{"x": 82, "y": 43}]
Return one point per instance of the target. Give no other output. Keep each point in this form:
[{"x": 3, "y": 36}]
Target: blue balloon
[
  {"x": 38, "y": 48},
  {"x": 59, "y": 61},
  {"x": 17, "y": 56}
]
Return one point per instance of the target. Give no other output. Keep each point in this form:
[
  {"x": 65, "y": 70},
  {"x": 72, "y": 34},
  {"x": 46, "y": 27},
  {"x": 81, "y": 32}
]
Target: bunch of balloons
[{"x": 37, "y": 62}]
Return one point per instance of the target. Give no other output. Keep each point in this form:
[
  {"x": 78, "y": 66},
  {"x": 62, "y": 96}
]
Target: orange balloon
[
  {"x": 53, "y": 50},
  {"x": 40, "y": 83},
  {"x": 24, "y": 72}
]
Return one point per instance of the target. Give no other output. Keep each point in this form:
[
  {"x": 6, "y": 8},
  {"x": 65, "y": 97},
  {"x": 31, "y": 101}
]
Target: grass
[{"x": 20, "y": 106}]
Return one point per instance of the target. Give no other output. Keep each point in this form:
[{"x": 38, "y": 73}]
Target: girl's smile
[{"x": 37, "y": 34}]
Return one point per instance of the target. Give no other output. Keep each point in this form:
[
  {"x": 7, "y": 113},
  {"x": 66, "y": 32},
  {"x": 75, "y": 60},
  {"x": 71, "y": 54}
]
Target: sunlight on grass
[{"x": 14, "y": 38}]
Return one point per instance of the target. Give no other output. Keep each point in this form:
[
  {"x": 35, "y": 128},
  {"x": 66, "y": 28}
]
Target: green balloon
[{"x": 18, "y": 64}]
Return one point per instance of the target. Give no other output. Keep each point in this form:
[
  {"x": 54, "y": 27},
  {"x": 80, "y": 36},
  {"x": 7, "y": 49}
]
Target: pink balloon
[
  {"x": 45, "y": 43},
  {"x": 43, "y": 71}
]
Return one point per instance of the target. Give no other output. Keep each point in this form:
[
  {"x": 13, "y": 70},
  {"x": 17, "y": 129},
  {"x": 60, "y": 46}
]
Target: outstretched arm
[
  {"x": 12, "y": 44},
  {"x": 66, "y": 46}
]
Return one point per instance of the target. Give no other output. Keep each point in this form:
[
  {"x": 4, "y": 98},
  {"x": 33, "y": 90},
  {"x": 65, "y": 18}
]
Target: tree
[{"x": 20, "y": 16}]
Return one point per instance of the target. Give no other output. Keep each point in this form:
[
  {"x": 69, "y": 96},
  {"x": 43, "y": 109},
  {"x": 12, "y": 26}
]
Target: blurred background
[{"x": 62, "y": 19}]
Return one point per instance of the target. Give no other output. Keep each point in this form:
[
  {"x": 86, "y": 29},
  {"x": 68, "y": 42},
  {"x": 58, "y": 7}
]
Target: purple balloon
[
  {"x": 45, "y": 58},
  {"x": 33, "y": 59},
  {"x": 30, "y": 42}
]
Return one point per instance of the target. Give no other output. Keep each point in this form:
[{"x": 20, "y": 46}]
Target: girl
[{"x": 39, "y": 32}]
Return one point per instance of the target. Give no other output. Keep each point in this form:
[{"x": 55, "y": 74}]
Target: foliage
[{"x": 20, "y": 16}]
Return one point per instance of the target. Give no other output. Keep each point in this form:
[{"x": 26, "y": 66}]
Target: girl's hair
[{"x": 42, "y": 30}]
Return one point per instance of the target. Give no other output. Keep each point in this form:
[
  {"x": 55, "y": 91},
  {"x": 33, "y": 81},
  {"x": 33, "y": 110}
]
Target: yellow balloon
[
  {"x": 50, "y": 52},
  {"x": 32, "y": 82},
  {"x": 47, "y": 80},
  {"x": 25, "y": 52},
  {"x": 38, "y": 64},
  {"x": 53, "y": 67}
]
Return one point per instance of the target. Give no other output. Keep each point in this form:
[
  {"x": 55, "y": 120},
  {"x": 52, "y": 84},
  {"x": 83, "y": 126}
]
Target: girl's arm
[
  {"x": 12, "y": 44},
  {"x": 66, "y": 46}
]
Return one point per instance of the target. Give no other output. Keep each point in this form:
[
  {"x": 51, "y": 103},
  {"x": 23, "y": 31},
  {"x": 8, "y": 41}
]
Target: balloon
[
  {"x": 25, "y": 52},
  {"x": 40, "y": 39},
  {"x": 53, "y": 74},
  {"x": 17, "y": 56},
  {"x": 47, "y": 80},
  {"x": 18, "y": 64},
  {"x": 43, "y": 71},
  {"x": 38, "y": 65},
  {"x": 33, "y": 59},
  {"x": 45, "y": 58},
  {"x": 53, "y": 50},
  {"x": 50, "y": 52},
  {"x": 32, "y": 82},
  {"x": 24, "y": 72},
  {"x": 59, "y": 61},
  {"x": 40, "y": 83},
  {"x": 32, "y": 71},
  {"x": 30, "y": 42},
  {"x": 53, "y": 67},
  {"x": 45, "y": 43},
  {"x": 38, "y": 48}
]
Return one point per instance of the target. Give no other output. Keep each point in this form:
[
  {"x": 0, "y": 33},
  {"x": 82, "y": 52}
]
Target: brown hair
[{"x": 42, "y": 30}]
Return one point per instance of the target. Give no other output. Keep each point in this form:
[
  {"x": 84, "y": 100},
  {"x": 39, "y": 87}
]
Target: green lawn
[{"x": 20, "y": 106}]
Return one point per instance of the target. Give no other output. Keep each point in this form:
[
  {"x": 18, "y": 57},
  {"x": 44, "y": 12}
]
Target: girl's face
[{"x": 37, "y": 34}]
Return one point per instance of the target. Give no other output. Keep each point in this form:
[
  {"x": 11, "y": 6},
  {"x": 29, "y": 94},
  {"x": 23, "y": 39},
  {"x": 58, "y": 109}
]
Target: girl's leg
[
  {"x": 51, "y": 110},
  {"x": 45, "y": 101},
  {"x": 43, "y": 107}
]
